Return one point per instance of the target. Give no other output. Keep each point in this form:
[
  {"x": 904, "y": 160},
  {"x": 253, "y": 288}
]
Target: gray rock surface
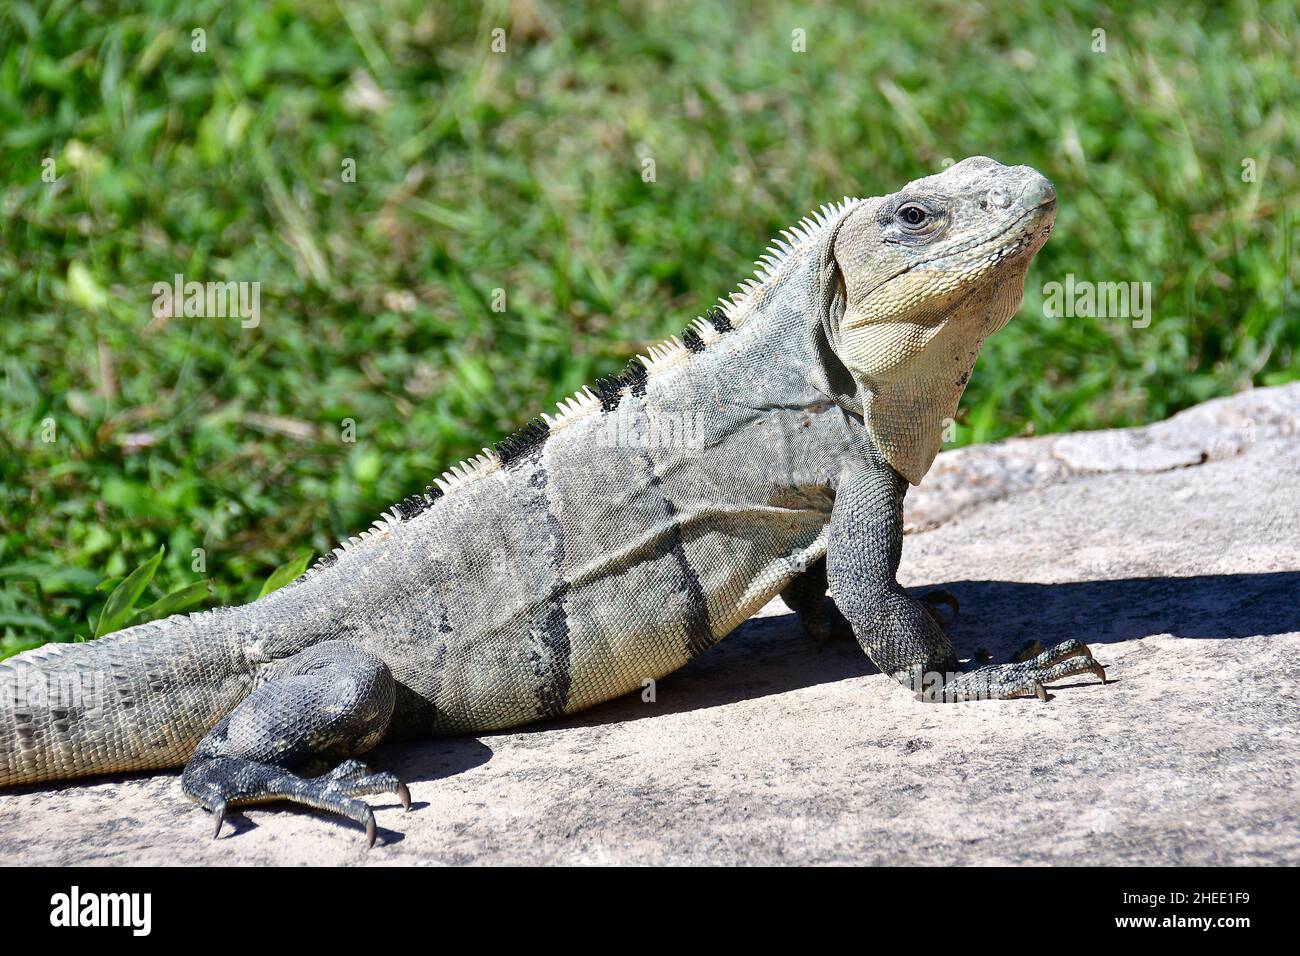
[{"x": 1173, "y": 550}]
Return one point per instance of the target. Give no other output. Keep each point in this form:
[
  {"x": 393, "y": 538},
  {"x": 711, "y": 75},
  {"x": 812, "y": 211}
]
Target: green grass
[{"x": 522, "y": 171}]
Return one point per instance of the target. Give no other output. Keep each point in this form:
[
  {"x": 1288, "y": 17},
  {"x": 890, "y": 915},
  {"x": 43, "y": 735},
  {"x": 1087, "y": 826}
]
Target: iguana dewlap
[{"x": 764, "y": 451}]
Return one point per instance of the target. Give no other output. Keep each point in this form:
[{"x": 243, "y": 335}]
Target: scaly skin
[{"x": 767, "y": 451}]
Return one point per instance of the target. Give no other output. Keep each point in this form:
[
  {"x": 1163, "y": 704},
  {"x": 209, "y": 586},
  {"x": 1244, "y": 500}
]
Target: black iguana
[{"x": 766, "y": 450}]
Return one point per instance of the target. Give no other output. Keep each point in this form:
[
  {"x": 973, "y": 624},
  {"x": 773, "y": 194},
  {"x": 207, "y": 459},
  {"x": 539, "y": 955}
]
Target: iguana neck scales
[{"x": 601, "y": 546}]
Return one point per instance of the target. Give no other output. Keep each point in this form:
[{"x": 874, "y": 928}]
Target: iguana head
[{"x": 917, "y": 280}]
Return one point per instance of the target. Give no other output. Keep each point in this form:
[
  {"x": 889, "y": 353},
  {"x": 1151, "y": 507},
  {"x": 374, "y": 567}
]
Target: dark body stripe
[
  {"x": 699, "y": 632},
  {"x": 550, "y": 629}
]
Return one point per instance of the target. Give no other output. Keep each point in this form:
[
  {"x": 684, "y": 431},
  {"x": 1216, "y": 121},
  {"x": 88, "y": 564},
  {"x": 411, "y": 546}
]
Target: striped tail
[{"x": 136, "y": 700}]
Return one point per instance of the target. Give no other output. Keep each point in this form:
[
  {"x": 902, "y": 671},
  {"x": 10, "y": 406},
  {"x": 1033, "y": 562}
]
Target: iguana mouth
[
  {"x": 1026, "y": 237},
  {"x": 1023, "y": 240}
]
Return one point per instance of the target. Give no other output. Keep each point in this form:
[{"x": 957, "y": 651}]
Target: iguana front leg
[
  {"x": 897, "y": 632},
  {"x": 326, "y": 704}
]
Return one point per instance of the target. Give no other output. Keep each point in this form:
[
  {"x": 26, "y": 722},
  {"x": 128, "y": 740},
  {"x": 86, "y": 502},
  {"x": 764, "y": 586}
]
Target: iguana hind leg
[
  {"x": 899, "y": 633},
  {"x": 934, "y": 599},
  {"x": 819, "y": 617},
  {"x": 324, "y": 705}
]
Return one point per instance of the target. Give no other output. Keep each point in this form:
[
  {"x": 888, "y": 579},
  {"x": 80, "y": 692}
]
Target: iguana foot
[
  {"x": 1018, "y": 679},
  {"x": 325, "y": 704},
  {"x": 223, "y": 783}
]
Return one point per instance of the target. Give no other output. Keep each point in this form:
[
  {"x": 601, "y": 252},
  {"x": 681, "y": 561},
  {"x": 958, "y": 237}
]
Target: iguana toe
[
  {"x": 1074, "y": 667},
  {"x": 348, "y": 770},
  {"x": 1063, "y": 651},
  {"x": 356, "y": 780}
]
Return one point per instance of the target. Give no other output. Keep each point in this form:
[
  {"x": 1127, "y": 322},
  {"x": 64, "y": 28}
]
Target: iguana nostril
[
  {"x": 1039, "y": 192},
  {"x": 1000, "y": 198}
]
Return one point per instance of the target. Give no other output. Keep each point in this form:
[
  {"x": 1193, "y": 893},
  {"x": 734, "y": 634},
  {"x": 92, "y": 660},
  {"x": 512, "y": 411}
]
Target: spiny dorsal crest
[{"x": 728, "y": 314}]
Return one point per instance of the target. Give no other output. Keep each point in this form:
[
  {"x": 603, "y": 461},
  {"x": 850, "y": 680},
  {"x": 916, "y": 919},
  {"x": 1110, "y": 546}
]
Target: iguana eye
[{"x": 912, "y": 214}]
